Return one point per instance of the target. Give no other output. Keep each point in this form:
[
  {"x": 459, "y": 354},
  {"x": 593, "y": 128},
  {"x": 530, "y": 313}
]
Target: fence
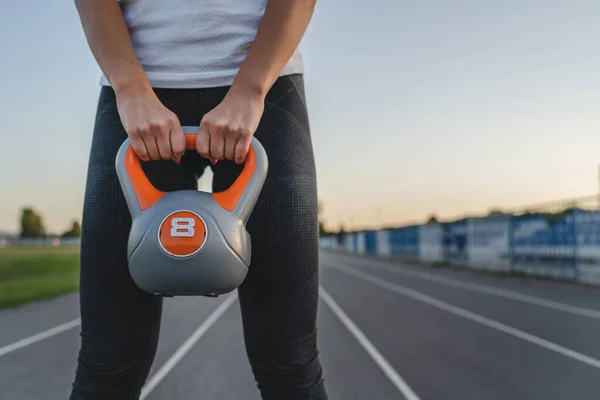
[
  {"x": 10, "y": 241},
  {"x": 559, "y": 240}
]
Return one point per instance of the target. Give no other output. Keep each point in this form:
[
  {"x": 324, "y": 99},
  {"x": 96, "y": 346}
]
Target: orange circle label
[{"x": 182, "y": 233}]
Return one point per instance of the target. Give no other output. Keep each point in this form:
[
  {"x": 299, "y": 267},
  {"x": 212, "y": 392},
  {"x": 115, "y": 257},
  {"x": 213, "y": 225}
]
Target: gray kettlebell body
[{"x": 188, "y": 242}]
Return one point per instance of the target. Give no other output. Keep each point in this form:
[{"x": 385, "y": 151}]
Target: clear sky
[{"x": 440, "y": 106}]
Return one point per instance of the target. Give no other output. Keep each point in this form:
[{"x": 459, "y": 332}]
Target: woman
[{"x": 232, "y": 68}]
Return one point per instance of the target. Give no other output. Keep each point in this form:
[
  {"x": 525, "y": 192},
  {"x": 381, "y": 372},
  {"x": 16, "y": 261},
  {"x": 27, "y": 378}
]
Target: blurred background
[{"x": 457, "y": 157}]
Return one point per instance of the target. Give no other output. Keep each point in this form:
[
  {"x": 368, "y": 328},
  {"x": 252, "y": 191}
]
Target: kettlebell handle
[{"x": 239, "y": 198}]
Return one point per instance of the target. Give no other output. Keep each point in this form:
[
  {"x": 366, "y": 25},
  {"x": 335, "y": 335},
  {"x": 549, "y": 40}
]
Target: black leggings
[{"x": 120, "y": 322}]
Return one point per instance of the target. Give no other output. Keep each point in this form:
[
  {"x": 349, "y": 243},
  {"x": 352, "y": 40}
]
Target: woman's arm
[
  {"x": 155, "y": 132},
  {"x": 109, "y": 40},
  {"x": 280, "y": 32},
  {"x": 227, "y": 130}
]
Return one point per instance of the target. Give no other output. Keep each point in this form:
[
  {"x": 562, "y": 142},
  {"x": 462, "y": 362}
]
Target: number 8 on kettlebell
[
  {"x": 188, "y": 242},
  {"x": 185, "y": 224}
]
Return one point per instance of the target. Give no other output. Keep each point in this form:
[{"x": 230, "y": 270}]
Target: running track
[{"x": 387, "y": 331}]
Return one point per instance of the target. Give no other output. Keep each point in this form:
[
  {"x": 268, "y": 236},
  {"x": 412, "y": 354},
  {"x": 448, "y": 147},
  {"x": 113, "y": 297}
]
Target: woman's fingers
[
  {"x": 227, "y": 130},
  {"x": 203, "y": 141},
  {"x": 242, "y": 146},
  {"x": 162, "y": 132},
  {"x": 139, "y": 147},
  {"x": 177, "y": 138},
  {"x": 217, "y": 132},
  {"x": 154, "y": 131},
  {"x": 220, "y": 142}
]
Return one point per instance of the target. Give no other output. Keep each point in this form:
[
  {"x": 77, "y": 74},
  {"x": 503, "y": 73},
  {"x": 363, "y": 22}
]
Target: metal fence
[{"x": 559, "y": 240}]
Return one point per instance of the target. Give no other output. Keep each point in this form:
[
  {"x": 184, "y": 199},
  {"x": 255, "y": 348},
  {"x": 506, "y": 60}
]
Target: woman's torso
[{"x": 195, "y": 43}]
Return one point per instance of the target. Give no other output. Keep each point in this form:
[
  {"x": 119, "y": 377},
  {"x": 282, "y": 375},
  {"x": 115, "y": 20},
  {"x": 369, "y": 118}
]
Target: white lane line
[
  {"x": 509, "y": 294},
  {"x": 39, "y": 336},
  {"x": 388, "y": 370},
  {"x": 154, "y": 381},
  {"x": 472, "y": 316}
]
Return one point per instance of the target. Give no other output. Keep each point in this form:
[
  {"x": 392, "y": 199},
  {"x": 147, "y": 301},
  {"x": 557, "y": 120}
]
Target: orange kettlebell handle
[{"x": 147, "y": 194}]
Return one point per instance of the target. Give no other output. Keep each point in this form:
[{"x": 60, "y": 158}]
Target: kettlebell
[{"x": 189, "y": 242}]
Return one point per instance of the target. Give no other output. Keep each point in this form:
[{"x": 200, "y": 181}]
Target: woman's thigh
[
  {"x": 280, "y": 294},
  {"x": 120, "y": 322}
]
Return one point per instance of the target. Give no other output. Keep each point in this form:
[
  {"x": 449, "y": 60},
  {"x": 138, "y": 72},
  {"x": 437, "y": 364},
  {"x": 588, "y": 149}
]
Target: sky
[{"x": 415, "y": 108}]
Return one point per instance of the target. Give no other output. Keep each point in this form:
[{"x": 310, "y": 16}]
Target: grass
[{"x": 32, "y": 274}]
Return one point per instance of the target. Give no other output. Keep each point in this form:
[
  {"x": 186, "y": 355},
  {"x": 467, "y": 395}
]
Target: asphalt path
[{"x": 387, "y": 330}]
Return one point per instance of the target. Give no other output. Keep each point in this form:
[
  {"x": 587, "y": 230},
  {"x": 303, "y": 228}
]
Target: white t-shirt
[{"x": 195, "y": 43}]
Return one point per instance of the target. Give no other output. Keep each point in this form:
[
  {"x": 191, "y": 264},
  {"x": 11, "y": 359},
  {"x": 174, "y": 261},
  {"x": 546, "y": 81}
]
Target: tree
[
  {"x": 74, "y": 232},
  {"x": 340, "y": 235},
  {"x": 322, "y": 230},
  {"x": 432, "y": 219},
  {"x": 31, "y": 223}
]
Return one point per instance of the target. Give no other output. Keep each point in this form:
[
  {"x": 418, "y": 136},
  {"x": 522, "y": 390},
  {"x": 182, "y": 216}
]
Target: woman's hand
[
  {"x": 155, "y": 132},
  {"x": 227, "y": 130}
]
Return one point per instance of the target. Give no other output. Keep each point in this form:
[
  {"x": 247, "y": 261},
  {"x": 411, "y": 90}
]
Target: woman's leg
[
  {"x": 280, "y": 294},
  {"x": 119, "y": 322}
]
